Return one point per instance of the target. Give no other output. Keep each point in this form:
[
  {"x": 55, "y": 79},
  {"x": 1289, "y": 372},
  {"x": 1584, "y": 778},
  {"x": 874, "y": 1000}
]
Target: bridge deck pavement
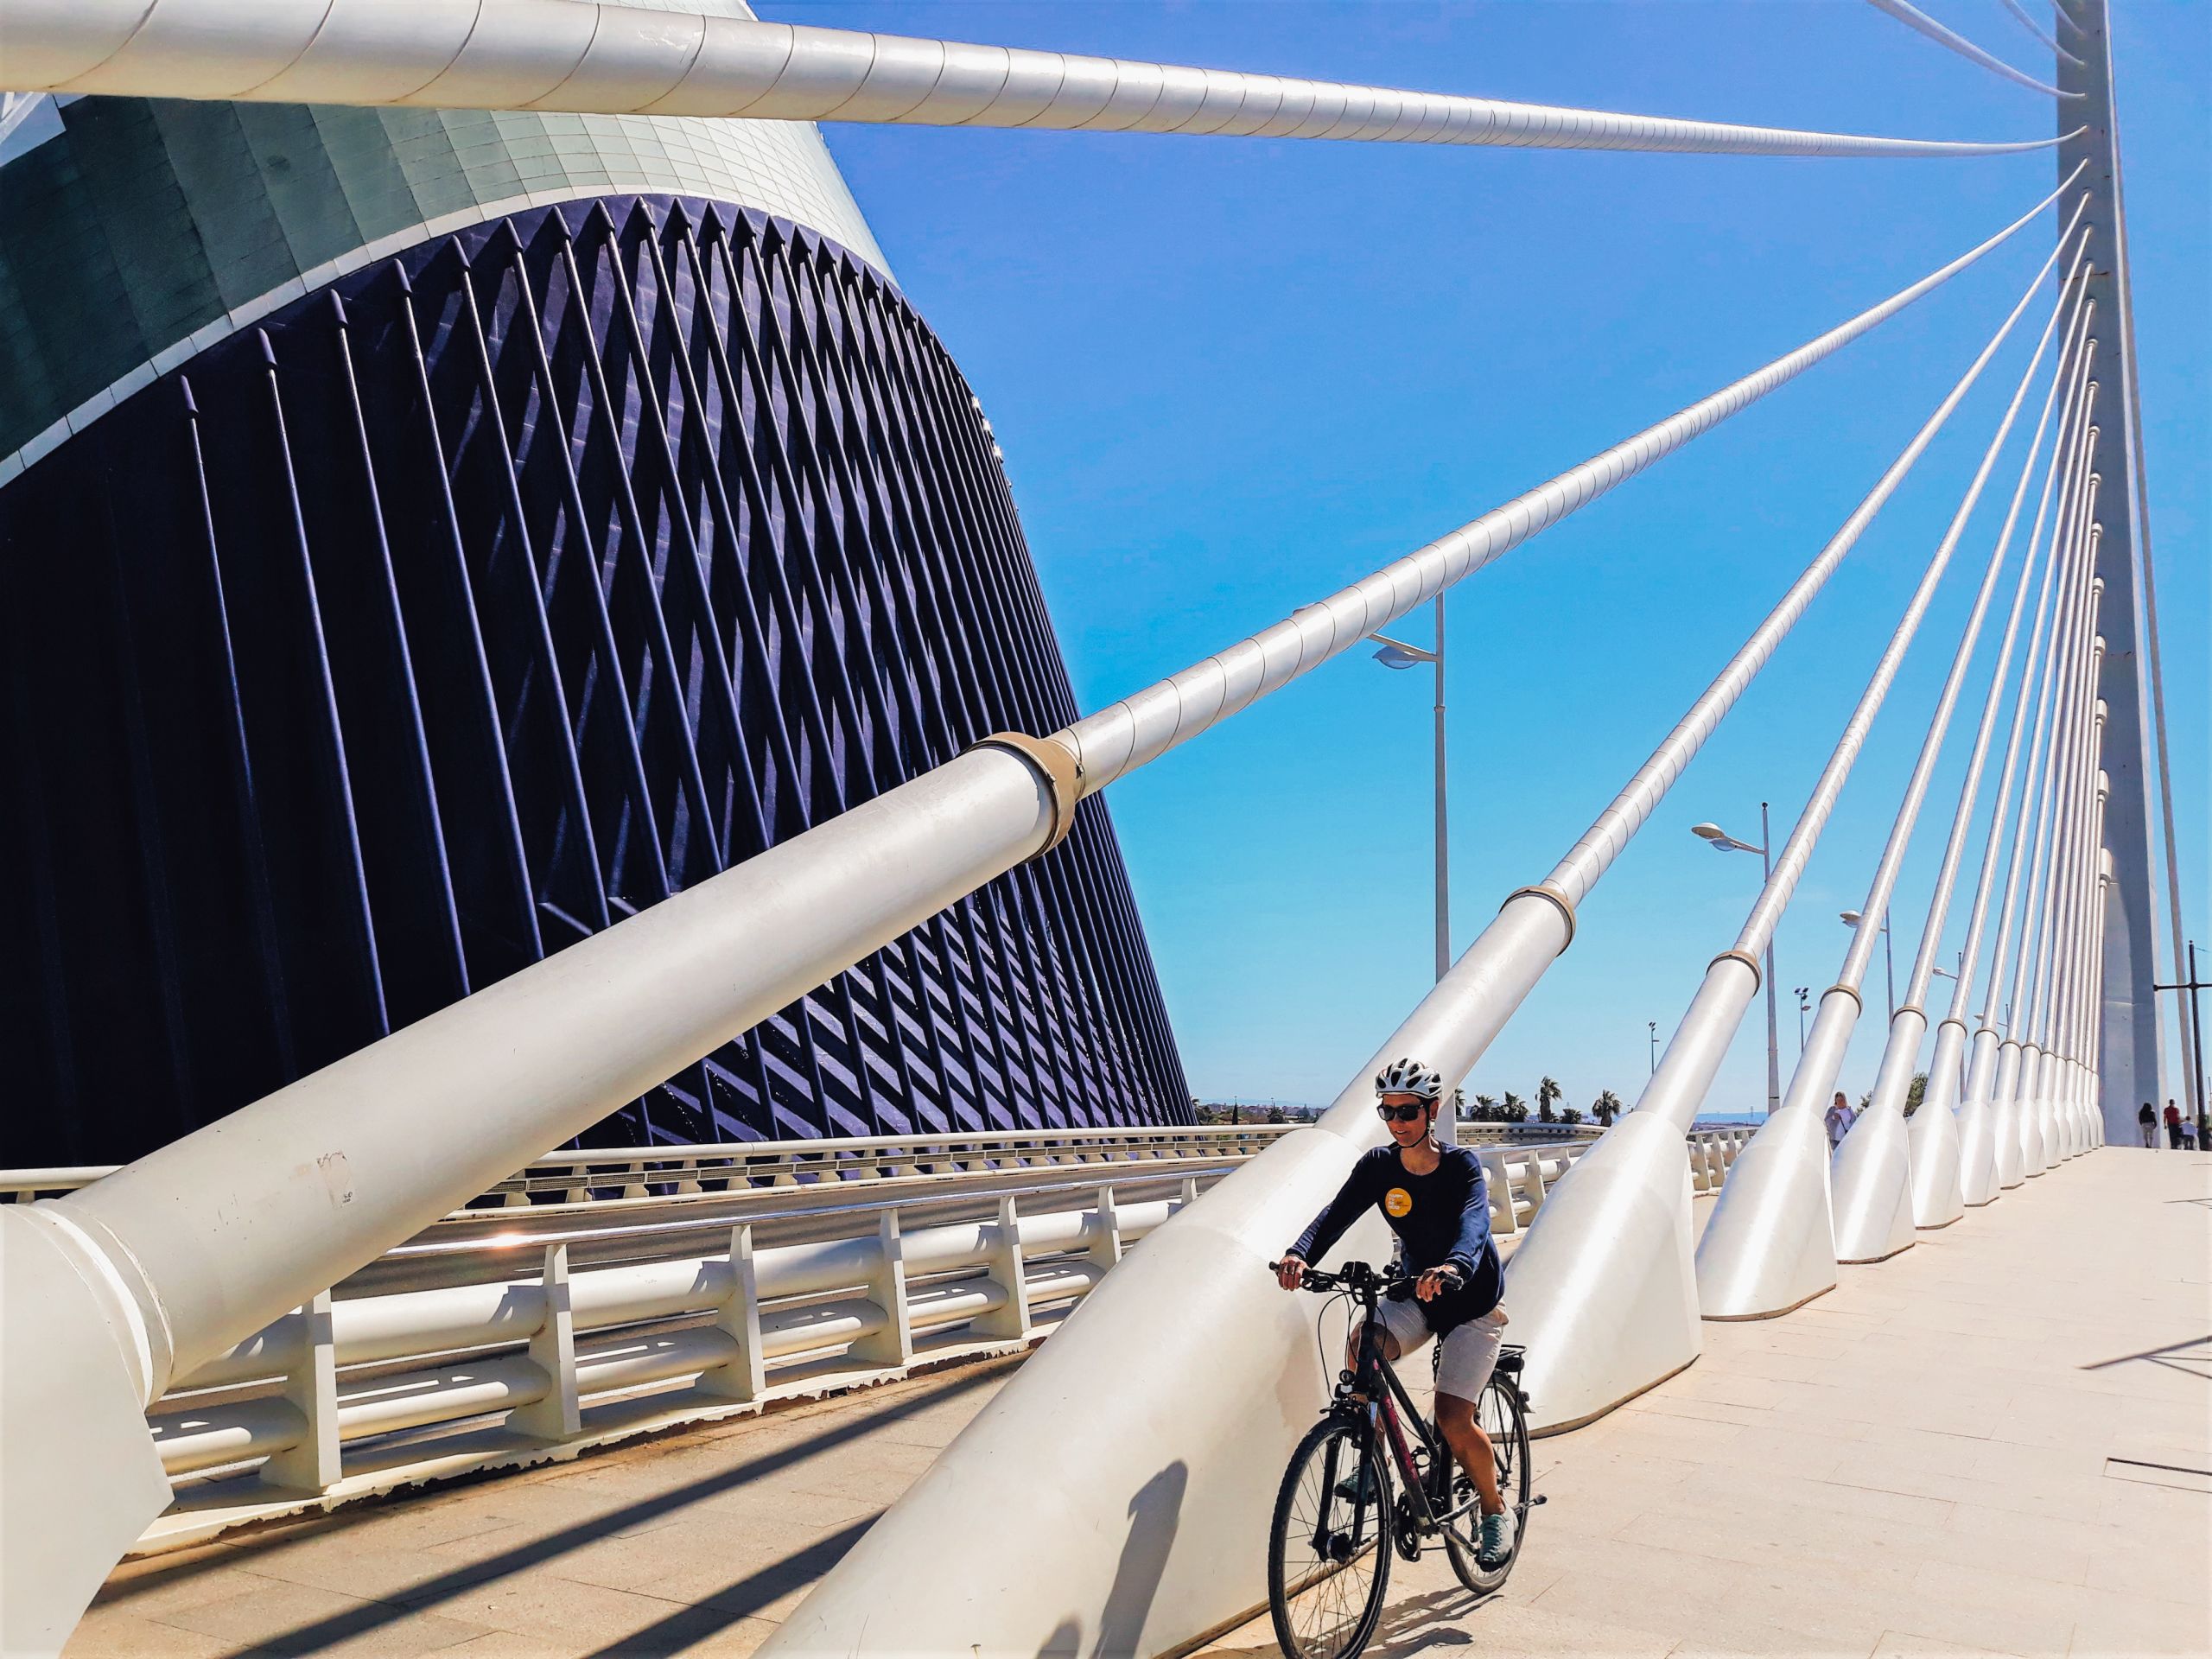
[
  {"x": 1996, "y": 1442},
  {"x": 1999, "y": 1441}
]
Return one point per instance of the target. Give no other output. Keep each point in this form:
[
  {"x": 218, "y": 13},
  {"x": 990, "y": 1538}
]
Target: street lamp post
[
  {"x": 1396, "y": 654},
  {"x": 1804, "y": 1007},
  {"x": 1852, "y": 918},
  {"x": 1652, "y": 1026},
  {"x": 1720, "y": 841}
]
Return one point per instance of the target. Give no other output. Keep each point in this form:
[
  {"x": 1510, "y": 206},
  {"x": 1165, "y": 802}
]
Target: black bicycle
[{"x": 1374, "y": 1478}]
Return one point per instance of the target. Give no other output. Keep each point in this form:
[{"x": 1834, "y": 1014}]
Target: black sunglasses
[{"x": 1400, "y": 1114}]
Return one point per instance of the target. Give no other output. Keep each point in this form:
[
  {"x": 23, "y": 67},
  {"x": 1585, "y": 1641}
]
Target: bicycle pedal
[{"x": 1538, "y": 1500}]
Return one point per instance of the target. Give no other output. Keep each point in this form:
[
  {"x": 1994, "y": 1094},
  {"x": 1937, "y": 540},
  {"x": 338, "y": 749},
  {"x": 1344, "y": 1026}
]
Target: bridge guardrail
[
  {"x": 601, "y": 1173},
  {"x": 597, "y": 1174},
  {"x": 355, "y": 1394}
]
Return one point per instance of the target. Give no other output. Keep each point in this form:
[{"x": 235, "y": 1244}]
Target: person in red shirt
[{"x": 2173, "y": 1126}]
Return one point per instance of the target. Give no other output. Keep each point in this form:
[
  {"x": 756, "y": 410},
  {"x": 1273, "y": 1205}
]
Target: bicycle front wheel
[
  {"x": 1504, "y": 1420},
  {"x": 1329, "y": 1550}
]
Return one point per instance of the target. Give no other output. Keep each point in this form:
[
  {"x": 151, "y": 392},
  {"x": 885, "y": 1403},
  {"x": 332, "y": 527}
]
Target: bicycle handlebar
[{"x": 1361, "y": 1277}]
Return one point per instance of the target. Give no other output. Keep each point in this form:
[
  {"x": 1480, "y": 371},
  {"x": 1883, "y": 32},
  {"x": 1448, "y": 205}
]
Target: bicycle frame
[{"x": 1390, "y": 1408}]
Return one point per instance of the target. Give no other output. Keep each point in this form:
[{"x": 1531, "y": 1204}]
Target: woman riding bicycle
[{"x": 1436, "y": 1200}]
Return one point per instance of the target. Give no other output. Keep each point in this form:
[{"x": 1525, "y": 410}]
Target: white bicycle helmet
[{"x": 1410, "y": 1077}]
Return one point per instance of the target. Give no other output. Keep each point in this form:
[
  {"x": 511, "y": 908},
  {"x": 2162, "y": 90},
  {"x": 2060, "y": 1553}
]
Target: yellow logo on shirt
[{"x": 1398, "y": 1201}]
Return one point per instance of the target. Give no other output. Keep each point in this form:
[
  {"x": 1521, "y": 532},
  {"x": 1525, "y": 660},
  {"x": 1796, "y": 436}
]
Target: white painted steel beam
[{"x": 558, "y": 54}]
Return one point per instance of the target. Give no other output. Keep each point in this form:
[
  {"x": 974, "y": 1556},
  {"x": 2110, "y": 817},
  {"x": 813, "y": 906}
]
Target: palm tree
[
  {"x": 1486, "y": 1108},
  {"x": 1516, "y": 1109},
  {"x": 1548, "y": 1097},
  {"x": 1606, "y": 1107}
]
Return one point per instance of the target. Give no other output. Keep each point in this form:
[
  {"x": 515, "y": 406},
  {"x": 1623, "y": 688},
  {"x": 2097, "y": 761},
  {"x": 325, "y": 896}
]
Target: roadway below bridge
[{"x": 1999, "y": 1441}]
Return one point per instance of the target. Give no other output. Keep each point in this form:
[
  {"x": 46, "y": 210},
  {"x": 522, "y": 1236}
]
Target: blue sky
[{"x": 1230, "y": 376}]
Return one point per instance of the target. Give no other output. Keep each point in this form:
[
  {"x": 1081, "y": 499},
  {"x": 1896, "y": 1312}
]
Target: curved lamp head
[
  {"x": 1721, "y": 842},
  {"x": 1851, "y": 919},
  {"x": 1395, "y": 656}
]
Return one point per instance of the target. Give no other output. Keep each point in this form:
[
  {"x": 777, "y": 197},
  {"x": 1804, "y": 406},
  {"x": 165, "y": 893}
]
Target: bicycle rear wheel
[
  {"x": 1329, "y": 1549},
  {"x": 1502, "y": 1418}
]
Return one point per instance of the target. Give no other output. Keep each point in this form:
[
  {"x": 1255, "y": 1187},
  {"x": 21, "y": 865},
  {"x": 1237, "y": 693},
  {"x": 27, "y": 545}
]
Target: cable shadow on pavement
[
  {"x": 405, "y": 1604},
  {"x": 748, "y": 1596},
  {"x": 2191, "y": 1359}
]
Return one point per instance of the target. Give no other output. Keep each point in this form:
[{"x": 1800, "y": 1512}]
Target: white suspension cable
[
  {"x": 2073, "y": 762},
  {"x": 1678, "y": 1083},
  {"x": 1145, "y": 725},
  {"x": 2047, "y": 1132},
  {"x": 1777, "y": 1233},
  {"x": 2081, "y": 859},
  {"x": 1988, "y": 1139},
  {"x": 2070, "y": 364},
  {"x": 1913, "y": 18},
  {"x": 2080, "y": 693},
  {"x": 1871, "y": 1189},
  {"x": 2004, "y": 961},
  {"x": 2035, "y": 667},
  {"x": 1945, "y": 1079},
  {"x": 2022, "y": 1073},
  {"x": 1875, "y": 909},
  {"x": 559, "y": 55},
  {"x": 1908, "y": 1020},
  {"x": 1605, "y": 1275},
  {"x": 2035, "y": 30}
]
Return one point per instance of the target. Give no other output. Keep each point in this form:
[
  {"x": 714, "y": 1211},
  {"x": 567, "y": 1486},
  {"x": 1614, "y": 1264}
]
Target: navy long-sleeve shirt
[{"x": 1442, "y": 1218}]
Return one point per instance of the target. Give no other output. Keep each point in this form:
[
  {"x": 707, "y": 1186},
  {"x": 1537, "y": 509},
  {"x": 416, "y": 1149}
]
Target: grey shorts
[{"x": 1470, "y": 1350}]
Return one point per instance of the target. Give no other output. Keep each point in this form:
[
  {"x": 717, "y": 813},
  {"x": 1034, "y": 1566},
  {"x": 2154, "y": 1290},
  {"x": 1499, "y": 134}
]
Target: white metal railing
[
  {"x": 521, "y": 1348},
  {"x": 599, "y": 1173},
  {"x": 1521, "y": 1175}
]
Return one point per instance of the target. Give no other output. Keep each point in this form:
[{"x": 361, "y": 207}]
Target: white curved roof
[{"x": 134, "y": 234}]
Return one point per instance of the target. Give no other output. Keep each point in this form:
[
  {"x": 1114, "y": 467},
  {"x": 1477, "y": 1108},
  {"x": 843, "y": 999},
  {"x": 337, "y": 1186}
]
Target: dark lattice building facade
[{"x": 477, "y": 585}]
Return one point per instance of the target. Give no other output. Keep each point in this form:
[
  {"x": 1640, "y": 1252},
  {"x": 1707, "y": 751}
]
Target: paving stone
[
  {"x": 277, "y": 1617},
  {"x": 130, "y": 1636}
]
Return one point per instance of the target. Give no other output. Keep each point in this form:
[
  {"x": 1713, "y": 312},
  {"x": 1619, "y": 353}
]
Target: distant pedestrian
[
  {"x": 1839, "y": 1120},
  {"x": 2148, "y": 1117},
  {"x": 2173, "y": 1126},
  {"x": 2187, "y": 1135}
]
